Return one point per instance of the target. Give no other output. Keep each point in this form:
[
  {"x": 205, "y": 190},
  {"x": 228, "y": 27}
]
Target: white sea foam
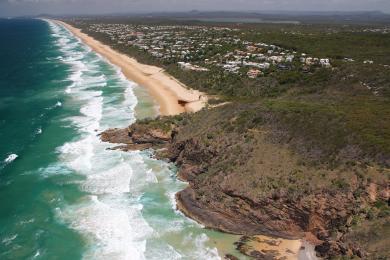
[
  {"x": 10, "y": 158},
  {"x": 57, "y": 104},
  {"x": 202, "y": 251},
  {"x": 8, "y": 240},
  {"x": 115, "y": 233},
  {"x": 121, "y": 114},
  {"x": 78, "y": 154},
  {"x": 110, "y": 216},
  {"x": 53, "y": 169},
  {"x": 26, "y": 222},
  {"x": 37, "y": 254}
]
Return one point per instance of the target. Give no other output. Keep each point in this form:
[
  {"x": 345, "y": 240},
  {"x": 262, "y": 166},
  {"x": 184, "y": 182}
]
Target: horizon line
[{"x": 129, "y": 13}]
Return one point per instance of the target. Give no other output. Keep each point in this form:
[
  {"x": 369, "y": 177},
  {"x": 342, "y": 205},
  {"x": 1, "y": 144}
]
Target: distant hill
[
  {"x": 335, "y": 17},
  {"x": 361, "y": 17},
  {"x": 263, "y": 16}
]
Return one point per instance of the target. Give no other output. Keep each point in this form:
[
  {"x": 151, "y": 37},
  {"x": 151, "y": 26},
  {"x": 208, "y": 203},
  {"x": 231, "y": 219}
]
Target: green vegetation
[
  {"x": 242, "y": 151},
  {"x": 333, "y": 125},
  {"x": 294, "y": 132},
  {"x": 331, "y": 108},
  {"x": 333, "y": 41},
  {"x": 359, "y": 43},
  {"x": 162, "y": 123}
]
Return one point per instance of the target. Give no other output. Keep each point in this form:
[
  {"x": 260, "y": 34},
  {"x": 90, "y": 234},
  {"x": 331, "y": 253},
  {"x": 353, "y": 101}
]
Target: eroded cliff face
[{"x": 251, "y": 181}]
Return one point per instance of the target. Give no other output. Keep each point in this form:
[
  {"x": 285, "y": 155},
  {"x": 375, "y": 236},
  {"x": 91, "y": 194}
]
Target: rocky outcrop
[
  {"x": 136, "y": 137},
  {"x": 244, "y": 183}
]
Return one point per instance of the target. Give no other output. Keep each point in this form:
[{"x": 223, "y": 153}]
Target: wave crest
[{"x": 12, "y": 157}]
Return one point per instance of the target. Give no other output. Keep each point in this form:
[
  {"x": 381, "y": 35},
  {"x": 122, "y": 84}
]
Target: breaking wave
[
  {"x": 113, "y": 216},
  {"x": 12, "y": 157}
]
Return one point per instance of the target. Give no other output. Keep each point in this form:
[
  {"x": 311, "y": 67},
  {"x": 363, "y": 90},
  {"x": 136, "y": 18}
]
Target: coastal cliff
[
  {"x": 302, "y": 151},
  {"x": 250, "y": 174}
]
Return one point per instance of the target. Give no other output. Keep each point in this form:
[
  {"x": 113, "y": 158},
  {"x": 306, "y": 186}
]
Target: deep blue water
[
  {"x": 32, "y": 84},
  {"x": 63, "y": 194}
]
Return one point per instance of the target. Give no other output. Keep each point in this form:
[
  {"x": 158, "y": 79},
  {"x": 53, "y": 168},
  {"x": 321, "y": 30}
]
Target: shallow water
[{"x": 64, "y": 195}]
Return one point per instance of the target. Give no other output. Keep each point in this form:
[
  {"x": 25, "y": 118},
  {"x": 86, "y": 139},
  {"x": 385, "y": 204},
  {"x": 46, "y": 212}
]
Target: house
[
  {"x": 289, "y": 58},
  {"x": 349, "y": 59},
  {"x": 264, "y": 65},
  {"x": 231, "y": 68},
  {"x": 283, "y": 67},
  {"x": 251, "y": 48},
  {"x": 254, "y": 73},
  {"x": 325, "y": 63},
  {"x": 189, "y": 66},
  {"x": 309, "y": 61},
  {"x": 276, "y": 59}
]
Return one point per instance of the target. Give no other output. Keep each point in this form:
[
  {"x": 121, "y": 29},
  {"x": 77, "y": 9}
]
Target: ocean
[{"x": 63, "y": 194}]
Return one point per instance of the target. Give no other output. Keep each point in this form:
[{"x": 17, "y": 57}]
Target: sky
[{"x": 33, "y": 7}]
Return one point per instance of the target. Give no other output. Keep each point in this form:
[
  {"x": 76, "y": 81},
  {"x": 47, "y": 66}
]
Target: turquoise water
[{"x": 63, "y": 194}]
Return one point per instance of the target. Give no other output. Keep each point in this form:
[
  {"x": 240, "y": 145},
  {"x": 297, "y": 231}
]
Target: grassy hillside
[
  {"x": 295, "y": 150},
  {"x": 281, "y": 168}
]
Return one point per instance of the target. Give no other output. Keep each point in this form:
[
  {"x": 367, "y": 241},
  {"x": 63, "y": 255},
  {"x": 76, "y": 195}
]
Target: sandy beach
[
  {"x": 280, "y": 248},
  {"x": 172, "y": 96}
]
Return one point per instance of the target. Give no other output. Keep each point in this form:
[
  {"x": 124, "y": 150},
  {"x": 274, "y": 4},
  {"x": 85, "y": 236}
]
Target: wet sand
[{"x": 172, "y": 96}]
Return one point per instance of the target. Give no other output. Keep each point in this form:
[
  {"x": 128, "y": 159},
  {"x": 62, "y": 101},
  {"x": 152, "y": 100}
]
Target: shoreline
[
  {"x": 252, "y": 242},
  {"x": 224, "y": 245},
  {"x": 172, "y": 96}
]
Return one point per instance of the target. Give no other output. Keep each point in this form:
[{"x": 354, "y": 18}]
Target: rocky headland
[{"x": 249, "y": 174}]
